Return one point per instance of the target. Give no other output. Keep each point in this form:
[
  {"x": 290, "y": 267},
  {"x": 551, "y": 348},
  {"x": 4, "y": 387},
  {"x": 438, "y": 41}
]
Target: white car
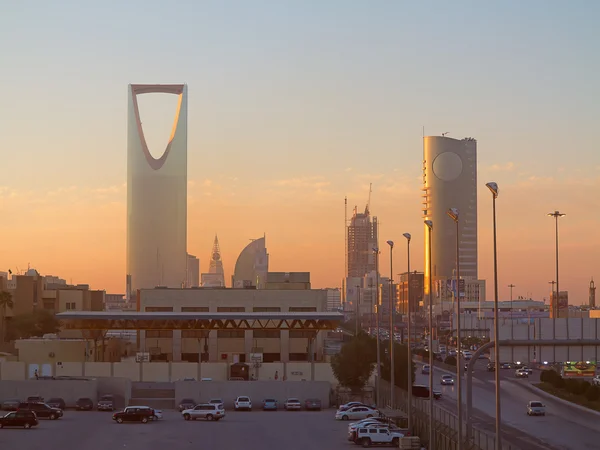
[
  {"x": 292, "y": 404},
  {"x": 217, "y": 401},
  {"x": 536, "y": 408},
  {"x": 206, "y": 411},
  {"x": 356, "y": 413},
  {"x": 596, "y": 380},
  {"x": 243, "y": 403},
  {"x": 379, "y": 436},
  {"x": 447, "y": 380},
  {"x": 521, "y": 373}
]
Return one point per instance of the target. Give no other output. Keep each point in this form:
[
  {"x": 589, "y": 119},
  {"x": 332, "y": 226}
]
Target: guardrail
[{"x": 445, "y": 424}]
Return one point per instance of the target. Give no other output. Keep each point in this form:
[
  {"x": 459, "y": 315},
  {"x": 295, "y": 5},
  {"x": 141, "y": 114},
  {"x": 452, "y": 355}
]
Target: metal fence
[{"x": 445, "y": 424}]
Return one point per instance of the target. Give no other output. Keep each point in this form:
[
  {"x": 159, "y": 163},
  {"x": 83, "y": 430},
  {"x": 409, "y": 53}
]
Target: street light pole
[
  {"x": 453, "y": 213},
  {"x": 377, "y": 389},
  {"x": 408, "y": 349},
  {"x": 392, "y": 336},
  {"x": 493, "y": 187},
  {"x": 556, "y": 215},
  {"x": 430, "y": 445}
]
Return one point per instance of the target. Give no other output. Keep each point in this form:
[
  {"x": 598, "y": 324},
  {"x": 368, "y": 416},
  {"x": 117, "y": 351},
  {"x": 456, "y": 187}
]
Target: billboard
[{"x": 579, "y": 369}]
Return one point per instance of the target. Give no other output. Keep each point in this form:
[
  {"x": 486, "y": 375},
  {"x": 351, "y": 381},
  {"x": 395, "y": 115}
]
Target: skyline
[{"x": 279, "y": 130}]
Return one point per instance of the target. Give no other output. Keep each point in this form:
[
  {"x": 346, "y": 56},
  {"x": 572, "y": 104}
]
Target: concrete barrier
[
  {"x": 256, "y": 390},
  {"x": 69, "y": 390}
]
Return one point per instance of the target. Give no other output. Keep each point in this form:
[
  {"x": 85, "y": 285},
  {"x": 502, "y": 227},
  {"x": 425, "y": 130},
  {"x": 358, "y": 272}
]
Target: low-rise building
[{"x": 232, "y": 345}]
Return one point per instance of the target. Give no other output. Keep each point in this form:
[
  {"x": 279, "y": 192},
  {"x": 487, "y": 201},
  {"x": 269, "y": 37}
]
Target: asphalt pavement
[
  {"x": 256, "y": 430},
  {"x": 563, "y": 427}
]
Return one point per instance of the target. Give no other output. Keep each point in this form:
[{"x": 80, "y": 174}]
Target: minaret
[{"x": 592, "y": 294}]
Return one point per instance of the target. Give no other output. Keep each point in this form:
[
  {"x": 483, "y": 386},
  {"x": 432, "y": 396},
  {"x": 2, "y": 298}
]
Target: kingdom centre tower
[{"x": 156, "y": 198}]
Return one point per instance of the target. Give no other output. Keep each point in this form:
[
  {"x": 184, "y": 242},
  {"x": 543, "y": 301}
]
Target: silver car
[
  {"x": 536, "y": 408},
  {"x": 206, "y": 411},
  {"x": 292, "y": 404}
]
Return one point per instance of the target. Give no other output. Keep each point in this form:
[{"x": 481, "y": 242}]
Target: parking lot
[{"x": 239, "y": 430}]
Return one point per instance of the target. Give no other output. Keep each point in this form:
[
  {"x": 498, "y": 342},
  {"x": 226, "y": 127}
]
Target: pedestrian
[{"x": 37, "y": 377}]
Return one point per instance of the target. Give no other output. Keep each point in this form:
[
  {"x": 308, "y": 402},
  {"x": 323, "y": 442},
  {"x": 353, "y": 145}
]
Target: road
[
  {"x": 256, "y": 430},
  {"x": 563, "y": 427}
]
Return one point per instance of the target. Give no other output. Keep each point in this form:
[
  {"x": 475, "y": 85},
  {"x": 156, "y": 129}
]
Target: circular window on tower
[{"x": 447, "y": 166}]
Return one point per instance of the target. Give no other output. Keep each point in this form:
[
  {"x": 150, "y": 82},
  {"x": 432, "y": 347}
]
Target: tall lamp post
[
  {"x": 453, "y": 213},
  {"x": 408, "y": 350},
  {"x": 555, "y": 309},
  {"x": 392, "y": 334},
  {"x": 377, "y": 390},
  {"x": 493, "y": 187},
  {"x": 429, "y": 224}
]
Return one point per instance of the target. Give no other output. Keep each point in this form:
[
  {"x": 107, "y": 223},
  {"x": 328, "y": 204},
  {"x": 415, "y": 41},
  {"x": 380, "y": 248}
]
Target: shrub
[
  {"x": 450, "y": 360},
  {"x": 559, "y": 382},
  {"x": 593, "y": 393},
  {"x": 548, "y": 376},
  {"x": 573, "y": 386},
  {"x": 584, "y": 386}
]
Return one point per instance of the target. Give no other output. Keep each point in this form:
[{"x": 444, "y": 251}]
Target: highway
[{"x": 563, "y": 427}]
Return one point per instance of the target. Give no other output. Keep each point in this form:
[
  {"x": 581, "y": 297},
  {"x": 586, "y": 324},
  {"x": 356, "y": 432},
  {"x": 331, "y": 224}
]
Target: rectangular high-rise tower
[
  {"x": 450, "y": 181},
  {"x": 362, "y": 238},
  {"x": 156, "y": 198}
]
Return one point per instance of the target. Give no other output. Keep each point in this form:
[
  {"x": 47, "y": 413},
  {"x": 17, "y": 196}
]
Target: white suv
[
  {"x": 243, "y": 402},
  {"x": 206, "y": 411},
  {"x": 368, "y": 436}
]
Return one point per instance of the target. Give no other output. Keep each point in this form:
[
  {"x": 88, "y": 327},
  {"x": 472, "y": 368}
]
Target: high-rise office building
[
  {"x": 361, "y": 239},
  {"x": 193, "y": 271},
  {"x": 156, "y": 198},
  {"x": 450, "y": 181},
  {"x": 252, "y": 266}
]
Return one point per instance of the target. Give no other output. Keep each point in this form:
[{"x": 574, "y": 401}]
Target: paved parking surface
[{"x": 275, "y": 430}]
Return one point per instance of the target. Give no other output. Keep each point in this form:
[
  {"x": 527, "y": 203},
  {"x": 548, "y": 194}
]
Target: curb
[{"x": 548, "y": 396}]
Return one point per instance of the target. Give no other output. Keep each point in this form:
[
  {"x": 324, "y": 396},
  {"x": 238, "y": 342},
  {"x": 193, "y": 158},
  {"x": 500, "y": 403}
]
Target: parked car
[
  {"x": 10, "y": 405},
  {"x": 25, "y": 419},
  {"x": 292, "y": 404},
  {"x": 206, "y": 411},
  {"x": 84, "y": 404},
  {"x": 536, "y": 408},
  {"x": 446, "y": 380},
  {"x": 269, "y": 404},
  {"x": 187, "y": 403},
  {"x": 349, "y": 405},
  {"x": 312, "y": 404},
  {"x": 35, "y": 399},
  {"x": 378, "y": 436},
  {"x": 243, "y": 403},
  {"x": 356, "y": 413},
  {"x": 106, "y": 403},
  {"x": 134, "y": 414},
  {"x": 41, "y": 410},
  {"x": 425, "y": 369},
  {"x": 57, "y": 402}
]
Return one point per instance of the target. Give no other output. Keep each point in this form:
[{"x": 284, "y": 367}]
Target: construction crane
[{"x": 368, "y": 207}]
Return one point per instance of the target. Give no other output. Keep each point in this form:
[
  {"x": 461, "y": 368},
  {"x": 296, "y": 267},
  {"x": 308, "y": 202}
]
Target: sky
[{"x": 292, "y": 107}]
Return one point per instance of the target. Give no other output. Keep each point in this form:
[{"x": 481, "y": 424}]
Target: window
[
  {"x": 301, "y": 334},
  {"x": 195, "y": 309},
  {"x": 268, "y": 334},
  {"x": 231, "y": 309},
  {"x": 266, "y": 309},
  {"x": 159, "y": 309},
  {"x": 159, "y": 334},
  {"x": 230, "y": 334},
  {"x": 303, "y": 309}
]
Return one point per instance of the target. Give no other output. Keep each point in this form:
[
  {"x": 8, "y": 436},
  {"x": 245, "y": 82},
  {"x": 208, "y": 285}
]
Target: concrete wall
[
  {"x": 165, "y": 372},
  {"x": 256, "y": 390},
  {"x": 69, "y": 390}
]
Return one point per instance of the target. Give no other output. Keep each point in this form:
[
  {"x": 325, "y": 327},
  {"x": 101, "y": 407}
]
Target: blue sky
[{"x": 294, "y": 90}]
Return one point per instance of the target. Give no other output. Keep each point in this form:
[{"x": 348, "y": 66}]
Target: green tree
[
  {"x": 400, "y": 363},
  {"x": 6, "y": 301},
  {"x": 354, "y": 364},
  {"x": 33, "y": 324}
]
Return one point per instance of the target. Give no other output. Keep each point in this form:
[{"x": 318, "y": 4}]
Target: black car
[
  {"x": 22, "y": 418},
  {"x": 187, "y": 403},
  {"x": 312, "y": 404},
  {"x": 134, "y": 414},
  {"x": 41, "y": 410},
  {"x": 84, "y": 404},
  {"x": 57, "y": 402},
  {"x": 491, "y": 367},
  {"x": 421, "y": 391}
]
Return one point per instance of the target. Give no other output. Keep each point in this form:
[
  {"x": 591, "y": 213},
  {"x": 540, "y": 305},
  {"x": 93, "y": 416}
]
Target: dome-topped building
[{"x": 252, "y": 265}]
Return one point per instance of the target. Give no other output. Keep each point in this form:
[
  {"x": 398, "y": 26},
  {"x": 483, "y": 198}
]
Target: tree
[
  {"x": 6, "y": 301},
  {"x": 354, "y": 364},
  {"x": 400, "y": 362},
  {"x": 33, "y": 324}
]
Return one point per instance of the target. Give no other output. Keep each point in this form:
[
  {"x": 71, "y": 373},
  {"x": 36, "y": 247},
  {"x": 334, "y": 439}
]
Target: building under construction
[{"x": 362, "y": 238}]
